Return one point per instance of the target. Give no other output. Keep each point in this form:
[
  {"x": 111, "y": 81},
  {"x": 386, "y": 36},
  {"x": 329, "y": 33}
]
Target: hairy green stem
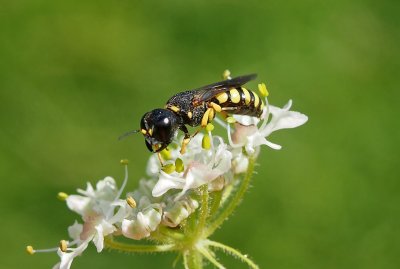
[
  {"x": 232, "y": 252},
  {"x": 228, "y": 210},
  {"x": 203, "y": 212},
  {"x": 206, "y": 253},
  {"x": 111, "y": 244},
  {"x": 194, "y": 259}
]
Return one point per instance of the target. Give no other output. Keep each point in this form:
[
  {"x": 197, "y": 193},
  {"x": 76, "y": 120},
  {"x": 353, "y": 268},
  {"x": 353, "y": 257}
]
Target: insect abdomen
[{"x": 240, "y": 101}]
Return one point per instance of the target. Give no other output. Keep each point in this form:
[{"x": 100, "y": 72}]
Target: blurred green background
[{"x": 74, "y": 75}]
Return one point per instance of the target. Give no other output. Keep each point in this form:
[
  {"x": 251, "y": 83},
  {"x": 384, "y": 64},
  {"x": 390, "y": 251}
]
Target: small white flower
[
  {"x": 177, "y": 211},
  {"x": 96, "y": 206},
  {"x": 250, "y": 136},
  {"x": 66, "y": 258},
  {"x": 142, "y": 220},
  {"x": 202, "y": 166}
]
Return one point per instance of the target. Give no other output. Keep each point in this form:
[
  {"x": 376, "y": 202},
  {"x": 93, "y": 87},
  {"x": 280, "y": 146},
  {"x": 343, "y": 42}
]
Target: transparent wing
[{"x": 207, "y": 92}]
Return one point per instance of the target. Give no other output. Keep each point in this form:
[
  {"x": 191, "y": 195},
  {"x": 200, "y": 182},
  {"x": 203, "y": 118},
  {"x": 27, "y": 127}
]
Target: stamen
[
  {"x": 230, "y": 120},
  {"x": 62, "y": 196},
  {"x": 124, "y": 161},
  {"x": 206, "y": 142},
  {"x": 226, "y": 74},
  {"x": 263, "y": 89},
  {"x": 30, "y": 250},
  {"x": 63, "y": 245},
  {"x": 265, "y": 120},
  {"x": 166, "y": 154},
  {"x": 209, "y": 127},
  {"x": 131, "y": 202},
  {"x": 179, "y": 166},
  {"x": 168, "y": 168}
]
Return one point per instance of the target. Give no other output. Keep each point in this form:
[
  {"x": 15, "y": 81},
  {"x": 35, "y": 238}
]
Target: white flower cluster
[{"x": 168, "y": 196}]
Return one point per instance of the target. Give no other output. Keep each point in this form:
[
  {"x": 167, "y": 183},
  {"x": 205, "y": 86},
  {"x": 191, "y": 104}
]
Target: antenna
[{"x": 128, "y": 133}]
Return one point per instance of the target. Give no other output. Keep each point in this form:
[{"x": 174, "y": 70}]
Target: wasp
[{"x": 198, "y": 107}]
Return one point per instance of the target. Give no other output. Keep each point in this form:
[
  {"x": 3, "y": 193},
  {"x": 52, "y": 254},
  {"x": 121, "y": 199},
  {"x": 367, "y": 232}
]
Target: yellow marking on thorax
[
  {"x": 222, "y": 97},
  {"x": 247, "y": 96},
  {"x": 235, "y": 96},
  {"x": 190, "y": 114},
  {"x": 256, "y": 99},
  {"x": 143, "y": 131},
  {"x": 174, "y": 108}
]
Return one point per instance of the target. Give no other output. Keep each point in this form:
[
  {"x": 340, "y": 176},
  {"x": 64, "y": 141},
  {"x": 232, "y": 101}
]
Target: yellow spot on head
[
  {"x": 150, "y": 132},
  {"x": 131, "y": 202},
  {"x": 235, "y": 96},
  {"x": 30, "y": 250},
  {"x": 190, "y": 114},
  {"x": 63, "y": 245},
  {"x": 222, "y": 97},
  {"x": 247, "y": 96},
  {"x": 62, "y": 196},
  {"x": 263, "y": 89},
  {"x": 143, "y": 131},
  {"x": 124, "y": 161}
]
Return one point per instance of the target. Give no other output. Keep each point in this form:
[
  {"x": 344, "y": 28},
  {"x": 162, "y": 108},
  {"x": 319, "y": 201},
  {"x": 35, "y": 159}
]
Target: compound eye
[{"x": 163, "y": 130}]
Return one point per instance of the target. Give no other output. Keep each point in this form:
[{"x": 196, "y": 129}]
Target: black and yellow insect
[{"x": 198, "y": 107}]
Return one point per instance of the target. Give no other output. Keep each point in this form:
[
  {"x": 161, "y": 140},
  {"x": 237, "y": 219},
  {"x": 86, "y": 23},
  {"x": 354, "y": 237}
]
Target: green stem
[
  {"x": 111, "y": 244},
  {"x": 235, "y": 200},
  {"x": 203, "y": 213},
  {"x": 216, "y": 202},
  {"x": 194, "y": 259},
  {"x": 206, "y": 253},
  {"x": 232, "y": 252}
]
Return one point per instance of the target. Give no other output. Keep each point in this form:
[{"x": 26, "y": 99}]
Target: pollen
[
  {"x": 230, "y": 120},
  {"x": 166, "y": 154},
  {"x": 131, "y": 202},
  {"x": 263, "y": 89},
  {"x": 190, "y": 114},
  {"x": 63, "y": 245},
  {"x": 168, "y": 168},
  {"x": 62, "y": 196},
  {"x": 206, "y": 142},
  {"x": 226, "y": 74},
  {"x": 30, "y": 250},
  {"x": 179, "y": 166},
  {"x": 209, "y": 127},
  {"x": 124, "y": 162}
]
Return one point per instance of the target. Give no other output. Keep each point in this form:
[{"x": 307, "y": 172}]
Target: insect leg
[{"x": 186, "y": 139}]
